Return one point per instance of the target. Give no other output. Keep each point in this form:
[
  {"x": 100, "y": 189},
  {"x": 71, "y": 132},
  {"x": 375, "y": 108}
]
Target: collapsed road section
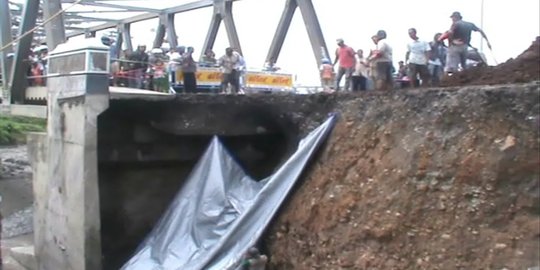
[{"x": 418, "y": 179}]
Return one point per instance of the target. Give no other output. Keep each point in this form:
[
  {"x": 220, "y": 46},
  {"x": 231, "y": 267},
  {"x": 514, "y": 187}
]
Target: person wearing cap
[
  {"x": 459, "y": 38},
  {"x": 345, "y": 55},
  {"x": 417, "y": 57},
  {"x": 381, "y": 62}
]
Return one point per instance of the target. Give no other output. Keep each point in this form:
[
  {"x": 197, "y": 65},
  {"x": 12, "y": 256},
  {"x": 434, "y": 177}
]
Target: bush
[{"x": 14, "y": 128}]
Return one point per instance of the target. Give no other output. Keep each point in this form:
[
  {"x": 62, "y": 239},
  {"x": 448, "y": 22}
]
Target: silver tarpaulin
[{"x": 220, "y": 212}]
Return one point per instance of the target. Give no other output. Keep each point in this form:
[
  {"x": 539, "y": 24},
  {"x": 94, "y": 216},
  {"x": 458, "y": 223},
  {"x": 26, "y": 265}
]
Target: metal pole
[
  {"x": 5, "y": 40},
  {"x": 482, "y": 25},
  {"x": 55, "y": 32}
]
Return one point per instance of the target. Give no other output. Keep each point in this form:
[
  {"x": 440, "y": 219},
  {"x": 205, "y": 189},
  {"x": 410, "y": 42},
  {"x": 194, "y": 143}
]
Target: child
[
  {"x": 161, "y": 80},
  {"x": 327, "y": 74}
]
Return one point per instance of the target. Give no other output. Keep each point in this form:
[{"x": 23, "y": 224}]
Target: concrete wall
[
  {"x": 66, "y": 191},
  {"x": 104, "y": 175}
]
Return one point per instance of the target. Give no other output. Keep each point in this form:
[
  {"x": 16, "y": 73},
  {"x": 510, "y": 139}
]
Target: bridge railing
[{"x": 129, "y": 74}]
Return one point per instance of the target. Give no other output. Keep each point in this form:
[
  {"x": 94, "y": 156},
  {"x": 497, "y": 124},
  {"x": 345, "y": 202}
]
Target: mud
[{"x": 433, "y": 179}]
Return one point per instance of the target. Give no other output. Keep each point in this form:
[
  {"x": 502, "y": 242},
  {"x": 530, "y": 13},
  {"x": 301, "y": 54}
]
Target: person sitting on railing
[{"x": 209, "y": 59}]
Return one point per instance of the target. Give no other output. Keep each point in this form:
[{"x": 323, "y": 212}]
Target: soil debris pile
[
  {"x": 420, "y": 180},
  {"x": 524, "y": 68}
]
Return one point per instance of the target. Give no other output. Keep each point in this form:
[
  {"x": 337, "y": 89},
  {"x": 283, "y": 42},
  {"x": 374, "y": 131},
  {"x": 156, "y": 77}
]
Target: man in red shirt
[{"x": 346, "y": 57}]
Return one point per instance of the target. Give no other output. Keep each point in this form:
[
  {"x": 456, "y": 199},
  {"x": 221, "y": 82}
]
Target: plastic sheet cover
[{"x": 220, "y": 212}]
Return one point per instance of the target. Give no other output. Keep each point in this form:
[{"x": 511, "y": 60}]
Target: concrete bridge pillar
[{"x": 66, "y": 194}]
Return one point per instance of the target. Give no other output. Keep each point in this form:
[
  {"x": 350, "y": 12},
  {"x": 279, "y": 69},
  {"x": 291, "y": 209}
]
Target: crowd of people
[
  {"x": 37, "y": 65},
  {"x": 157, "y": 69},
  {"x": 425, "y": 62}
]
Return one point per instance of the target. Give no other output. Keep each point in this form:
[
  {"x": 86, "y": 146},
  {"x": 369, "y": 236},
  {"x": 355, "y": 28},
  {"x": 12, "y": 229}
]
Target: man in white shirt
[
  {"x": 360, "y": 74},
  {"x": 381, "y": 61},
  {"x": 417, "y": 57},
  {"x": 230, "y": 63}
]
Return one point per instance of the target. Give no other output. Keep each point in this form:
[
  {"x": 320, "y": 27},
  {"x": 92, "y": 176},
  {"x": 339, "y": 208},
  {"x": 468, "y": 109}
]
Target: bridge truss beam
[
  {"x": 18, "y": 79},
  {"x": 56, "y": 33},
  {"x": 320, "y": 50},
  {"x": 222, "y": 12}
]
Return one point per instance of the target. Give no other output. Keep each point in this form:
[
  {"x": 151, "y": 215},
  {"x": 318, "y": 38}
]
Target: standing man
[
  {"x": 359, "y": 77},
  {"x": 437, "y": 59},
  {"x": 417, "y": 57},
  {"x": 138, "y": 66},
  {"x": 381, "y": 61},
  {"x": 346, "y": 57},
  {"x": 229, "y": 64},
  {"x": 189, "y": 68},
  {"x": 459, "y": 38}
]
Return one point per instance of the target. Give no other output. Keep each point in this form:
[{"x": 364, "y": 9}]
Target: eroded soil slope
[
  {"x": 420, "y": 180},
  {"x": 522, "y": 69}
]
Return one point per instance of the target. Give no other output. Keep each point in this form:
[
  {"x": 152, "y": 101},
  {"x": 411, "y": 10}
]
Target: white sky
[{"x": 511, "y": 26}]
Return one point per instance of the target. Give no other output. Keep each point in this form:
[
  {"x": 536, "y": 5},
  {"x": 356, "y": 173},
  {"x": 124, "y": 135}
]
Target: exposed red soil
[
  {"x": 420, "y": 180},
  {"x": 522, "y": 69}
]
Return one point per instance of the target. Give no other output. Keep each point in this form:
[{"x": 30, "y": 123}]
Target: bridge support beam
[
  {"x": 222, "y": 12},
  {"x": 230, "y": 27},
  {"x": 166, "y": 28},
  {"x": 281, "y": 32},
  {"x": 56, "y": 33},
  {"x": 314, "y": 30},
  {"x": 212, "y": 34},
  {"x": 160, "y": 35},
  {"x": 18, "y": 79},
  {"x": 119, "y": 42},
  {"x": 172, "y": 37},
  {"x": 312, "y": 26},
  {"x": 5, "y": 41},
  {"x": 126, "y": 37}
]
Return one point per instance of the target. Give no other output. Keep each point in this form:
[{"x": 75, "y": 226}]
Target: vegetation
[{"x": 14, "y": 128}]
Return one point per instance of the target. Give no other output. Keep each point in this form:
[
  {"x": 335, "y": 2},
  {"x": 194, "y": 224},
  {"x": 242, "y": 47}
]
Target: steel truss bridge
[{"x": 52, "y": 21}]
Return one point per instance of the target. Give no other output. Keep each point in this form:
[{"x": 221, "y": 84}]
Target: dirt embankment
[
  {"x": 421, "y": 180},
  {"x": 522, "y": 69}
]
